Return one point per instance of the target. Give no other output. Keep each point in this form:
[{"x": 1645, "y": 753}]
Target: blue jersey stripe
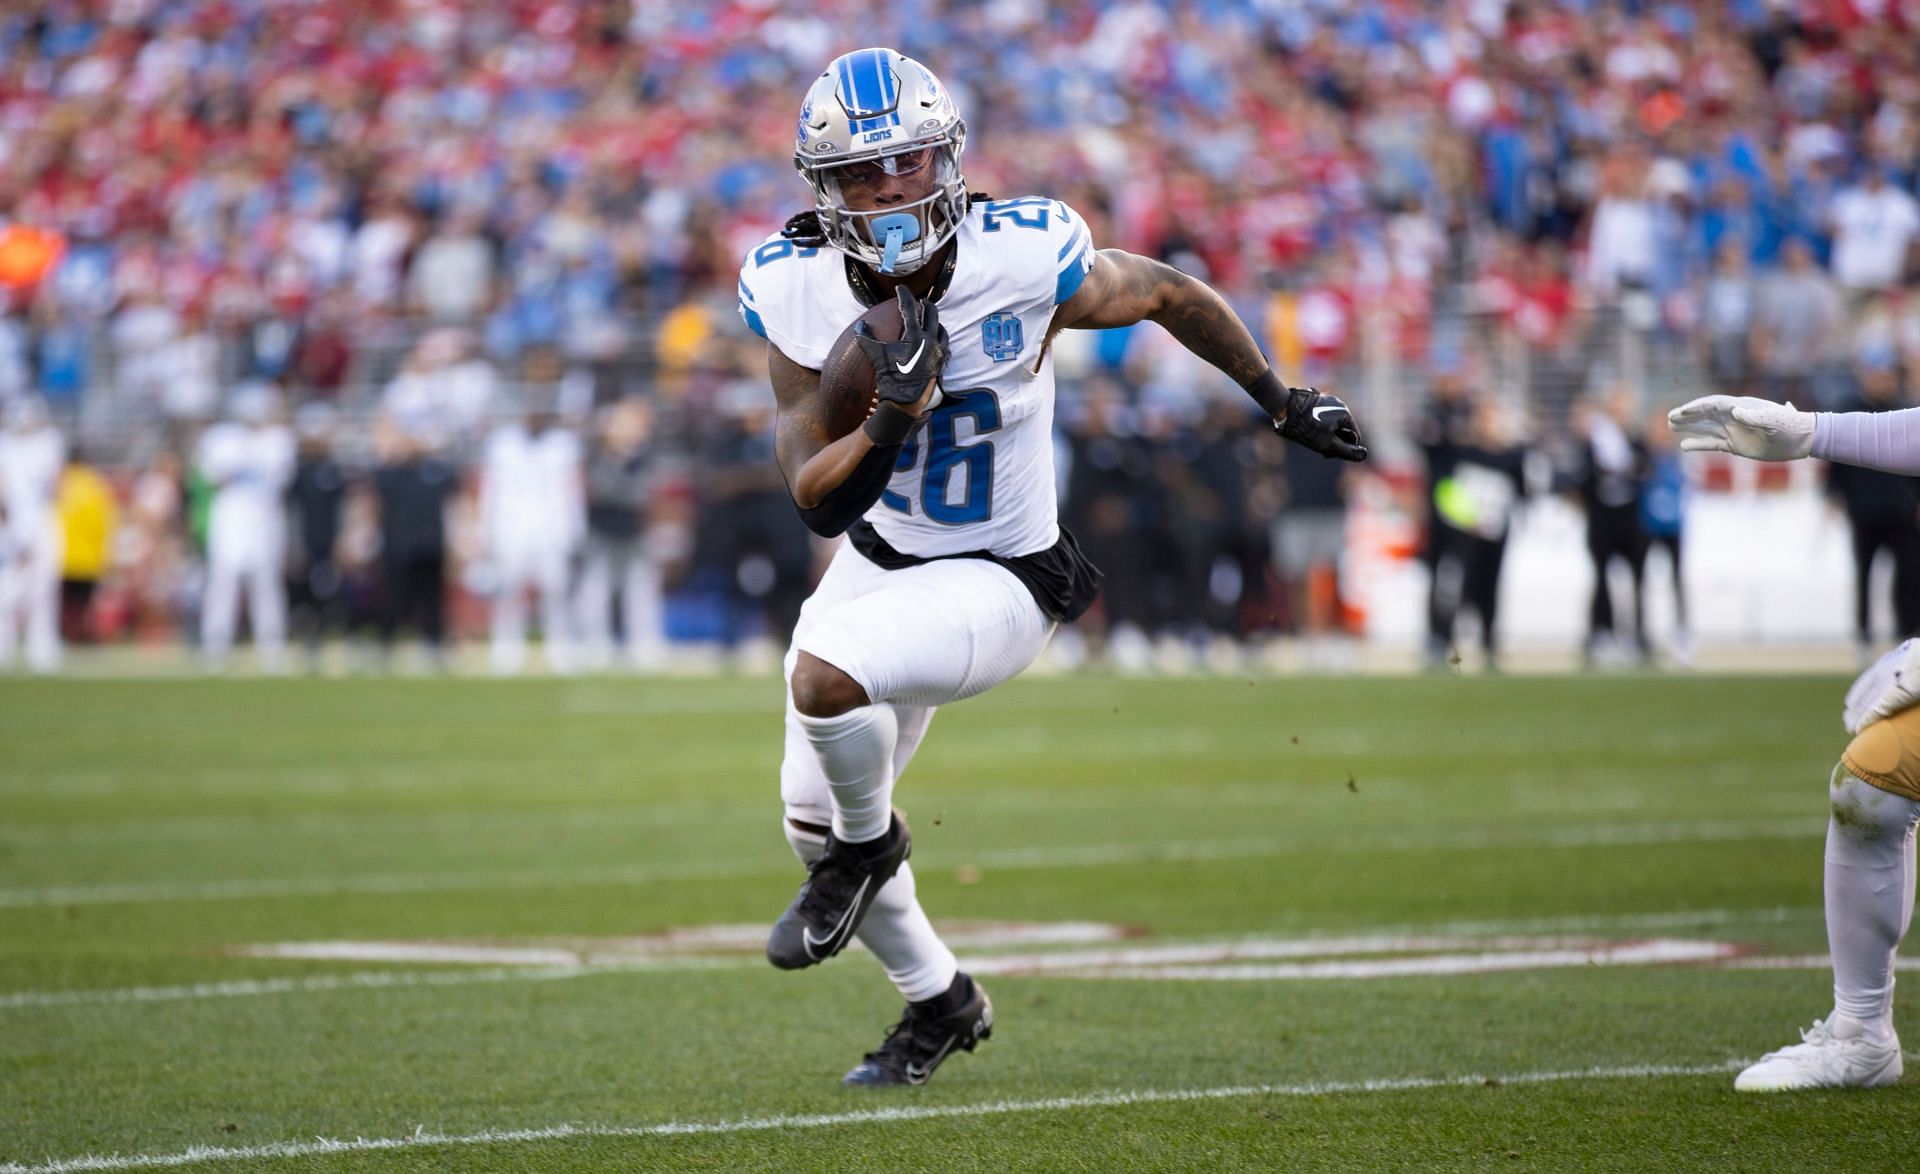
[
  {"x": 746, "y": 295},
  {"x": 1078, "y": 238},
  {"x": 753, "y": 321},
  {"x": 1071, "y": 277}
]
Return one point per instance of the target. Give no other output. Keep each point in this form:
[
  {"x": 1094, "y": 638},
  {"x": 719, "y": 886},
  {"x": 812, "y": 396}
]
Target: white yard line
[
  {"x": 1806, "y": 962},
  {"x": 1052, "y": 856},
  {"x": 428, "y": 953},
  {"x": 880, "y": 1116},
  {"x": 1605, "y": 922},
  {"x": 1654, "y": 953},
  {"x": 1458, "y": 955},
  {"x": 336, "y": 982}
]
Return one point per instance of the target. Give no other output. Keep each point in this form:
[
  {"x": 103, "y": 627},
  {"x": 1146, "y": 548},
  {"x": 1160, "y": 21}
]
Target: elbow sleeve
[{"x": 853, "y": 497}]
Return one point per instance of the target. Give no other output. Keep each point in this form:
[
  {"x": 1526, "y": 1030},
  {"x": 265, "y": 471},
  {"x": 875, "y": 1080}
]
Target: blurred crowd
[{"x": 408, "y": 232}]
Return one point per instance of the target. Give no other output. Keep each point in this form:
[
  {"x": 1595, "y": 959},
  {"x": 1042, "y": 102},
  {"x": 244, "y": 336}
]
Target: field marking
[
  {"x": 1805, "y": 962},
  {"x": 881, "y": 1116},
  {"x": 1211, "y": 960},
  {"x": 748, "y": 938},
  {"x": 432, "y": 953},
  {"x": 1438, "y": 954},
  {"x": 1654, "y": 953},
  {"x": 1055, "y": 856},
  {"x": 369, "y": 979},
  {"x": 1248, "y": 946}
]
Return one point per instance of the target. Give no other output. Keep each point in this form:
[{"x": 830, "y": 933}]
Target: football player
[
  {"x": 956, "y": 570},
  {"x": 249, "y": 457},
  {"x": 1874, "y": 789},
  {"x": 32, "y": 455}
]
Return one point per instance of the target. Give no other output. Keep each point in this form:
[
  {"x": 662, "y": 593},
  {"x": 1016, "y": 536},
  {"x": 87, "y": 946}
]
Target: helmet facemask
[{"x": 900, "y": 237}]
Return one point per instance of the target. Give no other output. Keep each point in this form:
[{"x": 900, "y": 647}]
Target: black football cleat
[
  {"x": 841, "y": 884},
  {"x": 923, "y": 1038}
]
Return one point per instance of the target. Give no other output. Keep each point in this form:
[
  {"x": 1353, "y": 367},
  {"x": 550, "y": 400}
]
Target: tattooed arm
[{"x": 1123, "y": 289}]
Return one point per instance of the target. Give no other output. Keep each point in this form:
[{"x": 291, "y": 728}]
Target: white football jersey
[
  {"x": 980, "y": 475},
  {"x": 251, "y": 466},
  {"x": 531, "y": 488},
  {"x": 30, "y": 465}
]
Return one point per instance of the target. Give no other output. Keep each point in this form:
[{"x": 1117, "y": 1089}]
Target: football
[{"x": 846, "y": 382}]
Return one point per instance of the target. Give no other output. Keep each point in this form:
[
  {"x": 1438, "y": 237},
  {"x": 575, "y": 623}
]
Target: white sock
[
  {"x": 1870, "y": 874},
  {"x": 896, "y": 929},
  {"x": 856, "y": 755}
]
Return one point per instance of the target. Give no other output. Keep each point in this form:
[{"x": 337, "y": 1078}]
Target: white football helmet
[{"x": 871, "y": 115}]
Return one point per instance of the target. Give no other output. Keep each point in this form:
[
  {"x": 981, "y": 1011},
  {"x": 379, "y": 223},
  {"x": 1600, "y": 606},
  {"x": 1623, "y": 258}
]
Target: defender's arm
[{"x": 1124, "y": 288}]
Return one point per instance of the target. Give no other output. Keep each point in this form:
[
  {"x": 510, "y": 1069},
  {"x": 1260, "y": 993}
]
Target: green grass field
[{"x": 1429, "y": 923}]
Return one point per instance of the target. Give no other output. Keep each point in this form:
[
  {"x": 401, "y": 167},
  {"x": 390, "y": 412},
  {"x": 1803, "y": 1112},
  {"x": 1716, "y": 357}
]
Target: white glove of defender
[
  {"x": 1889, "y": 685},
  {"x": 1744, "y": 426}
]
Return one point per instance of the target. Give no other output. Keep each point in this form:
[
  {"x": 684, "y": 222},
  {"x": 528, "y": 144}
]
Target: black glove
[
  {"x": 1322, "y": 423},
  {"x": 902, "y": 370}
]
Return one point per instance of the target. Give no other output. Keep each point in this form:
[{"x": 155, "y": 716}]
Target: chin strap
[{"x": 890, "y": 252}]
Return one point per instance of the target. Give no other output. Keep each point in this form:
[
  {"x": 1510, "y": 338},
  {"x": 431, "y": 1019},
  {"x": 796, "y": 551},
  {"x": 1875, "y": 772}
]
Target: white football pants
[
  {"x": 266, "y": 603},
  {"x": 546, "y": 570},
  {"x": 914, "y": 639},
  {"x": 30, "y": 598}
]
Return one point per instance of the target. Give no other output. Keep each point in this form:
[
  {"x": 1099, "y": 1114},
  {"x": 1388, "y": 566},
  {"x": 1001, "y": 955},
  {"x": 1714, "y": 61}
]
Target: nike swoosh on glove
[
  {"x": 1322, "y": 423},
  {"x": 1745, "y": 426},
  {"x": 902, "y": 370}
]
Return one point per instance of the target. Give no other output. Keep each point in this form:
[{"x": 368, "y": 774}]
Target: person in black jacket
[
  {"x": 1108, "y": 506},
  {"x": 1445, "y": 427},
  {"x": 318, "y": 495},
  {"x": 752, "y": 529},
  {"x": 1884, "y": 511},
  {"x": 1308, "y": 538},
  {"x": 1613, "y": 464},
  {"x": 618, "y": 564},
  {"x": 412, "y": 486},
  {"x": 1477, "y": 499}
]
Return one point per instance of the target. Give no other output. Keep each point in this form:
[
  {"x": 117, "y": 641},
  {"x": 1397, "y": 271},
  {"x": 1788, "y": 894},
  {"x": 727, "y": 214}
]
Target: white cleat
[{"x": 1834, "y": 1053}]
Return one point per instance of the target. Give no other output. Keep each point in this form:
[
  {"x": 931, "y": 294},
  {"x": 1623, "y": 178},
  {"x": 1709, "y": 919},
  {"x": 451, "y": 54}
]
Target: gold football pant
[{"x": 1886, "y": 754}]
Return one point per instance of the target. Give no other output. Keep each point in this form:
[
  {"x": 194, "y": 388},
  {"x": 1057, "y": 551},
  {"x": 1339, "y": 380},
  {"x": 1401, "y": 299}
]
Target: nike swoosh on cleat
[
  {"x": 1327, "y": 408},
  {"x": 918, "y": 1075},
  {"x": 806, "y": 935},
  {"x": 907, "y": 366}
]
